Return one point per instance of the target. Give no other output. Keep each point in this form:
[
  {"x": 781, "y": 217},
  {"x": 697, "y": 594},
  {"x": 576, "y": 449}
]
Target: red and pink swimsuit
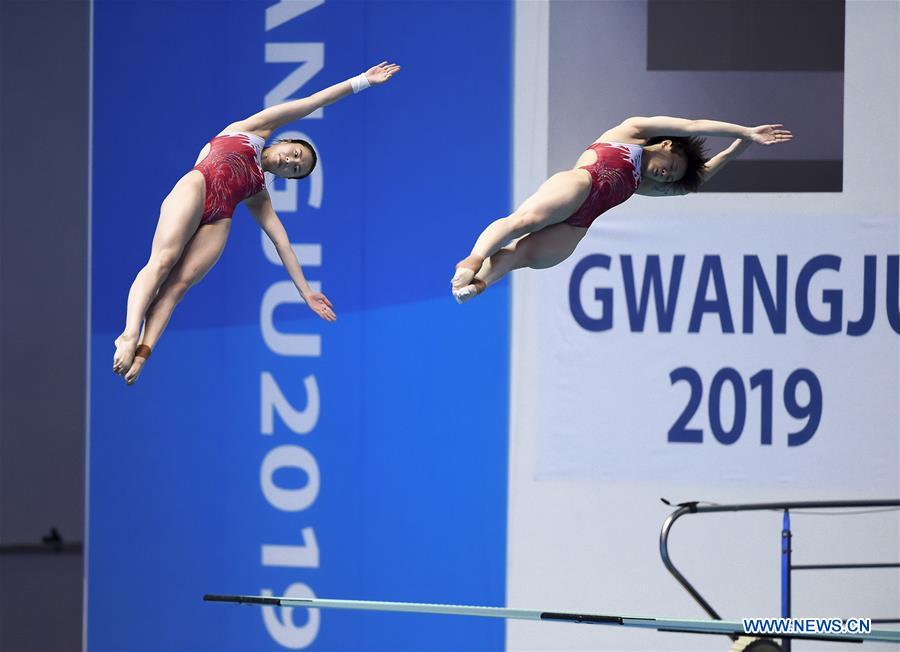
[
  {"x": 615, "y": 175},
  {"x": 233, "y": 172}
]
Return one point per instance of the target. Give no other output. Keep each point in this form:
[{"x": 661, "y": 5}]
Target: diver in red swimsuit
[
  {"x": 195, "y": 217},
  {"x": 231, "y": 172},
  {"x": 658, "y": 156},
  {"x": 615, "y": 176}
]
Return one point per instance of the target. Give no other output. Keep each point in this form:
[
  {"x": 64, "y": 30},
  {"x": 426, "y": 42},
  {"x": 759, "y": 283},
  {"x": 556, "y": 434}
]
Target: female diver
[
  {"x": 658, "y": 157},
  {"x": 195, "y": 217}
]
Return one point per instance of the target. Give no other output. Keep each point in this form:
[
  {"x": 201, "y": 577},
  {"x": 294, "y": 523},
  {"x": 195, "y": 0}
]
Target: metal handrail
[{"x": 696, "y": 508}]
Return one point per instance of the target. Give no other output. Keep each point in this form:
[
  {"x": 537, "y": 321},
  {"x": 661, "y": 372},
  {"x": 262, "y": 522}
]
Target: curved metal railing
[{"x": 786, "y": 566}]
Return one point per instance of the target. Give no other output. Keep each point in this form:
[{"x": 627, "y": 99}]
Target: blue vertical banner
[{"x": 264, "y": 450}]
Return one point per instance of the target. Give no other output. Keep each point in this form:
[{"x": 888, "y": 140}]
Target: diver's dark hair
[
  {"x": 312, "y": 150},
  {"x": 694, "y": 152}
]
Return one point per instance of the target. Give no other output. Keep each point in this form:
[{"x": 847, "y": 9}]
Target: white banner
[{"x": 753, "y": 351}]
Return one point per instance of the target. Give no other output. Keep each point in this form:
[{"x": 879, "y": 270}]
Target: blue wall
[{"x": 410, "y": 439}]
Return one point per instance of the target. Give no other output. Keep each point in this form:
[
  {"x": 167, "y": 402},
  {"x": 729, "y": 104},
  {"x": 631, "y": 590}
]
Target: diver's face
[
  {"x": 290, "y": 160},
  {"x": 664, "y": 165}
]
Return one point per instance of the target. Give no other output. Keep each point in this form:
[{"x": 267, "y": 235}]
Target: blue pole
[{"x": 786, "y": 573}]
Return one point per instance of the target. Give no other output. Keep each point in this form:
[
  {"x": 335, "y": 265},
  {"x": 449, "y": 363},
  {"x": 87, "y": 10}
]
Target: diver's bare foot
[
  {"x": 124, "y": 356},
  {"x": 135, "y": 370},
  {"x": 470, "y": 291},
  {"x": 461, "y": 279},
  {"x": 141, "y": 353},
  {"x": 466, "y": 269}
]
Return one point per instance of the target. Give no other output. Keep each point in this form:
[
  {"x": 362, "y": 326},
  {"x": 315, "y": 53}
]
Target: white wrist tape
[{"x": 359, "y": 83}]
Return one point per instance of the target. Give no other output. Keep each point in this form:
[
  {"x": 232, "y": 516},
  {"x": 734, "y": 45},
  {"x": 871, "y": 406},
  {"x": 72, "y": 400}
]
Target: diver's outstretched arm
[
  {"x": 645, "y": 128},
  {"x": 260, "y": 207},
  {"x": 721, "y": 159},
  {"x": 270, "y": 119}
]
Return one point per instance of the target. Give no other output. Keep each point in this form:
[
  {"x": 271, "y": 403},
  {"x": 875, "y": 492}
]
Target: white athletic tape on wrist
[{"x": 359, "y": 83}]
